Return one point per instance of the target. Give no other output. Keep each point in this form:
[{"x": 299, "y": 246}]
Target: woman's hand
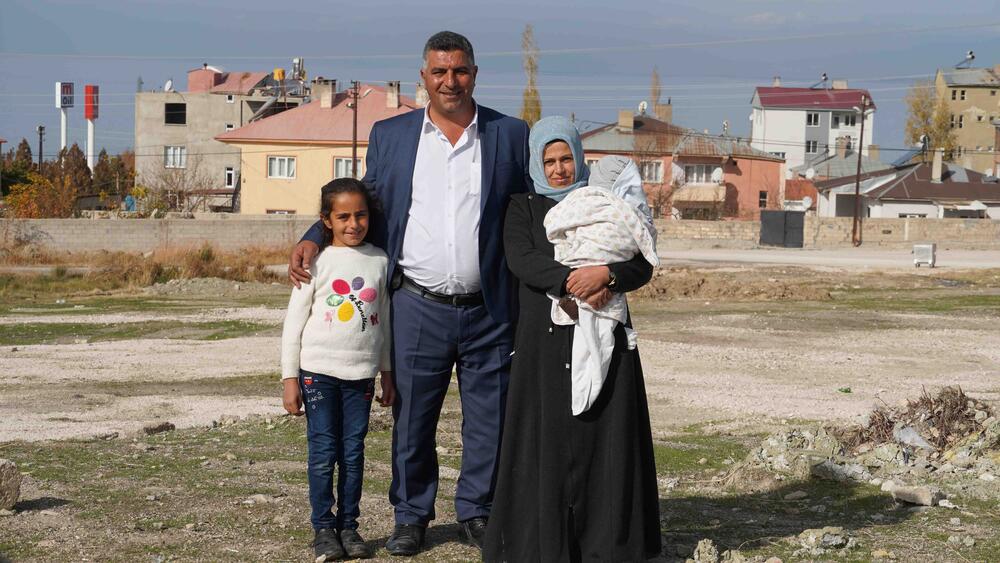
[
  {"x": 588, "y": 280},
  {"x": 388, "y": 396},
  {"x": 291, "y": 396},
  {"x": 600, "y": 299}
]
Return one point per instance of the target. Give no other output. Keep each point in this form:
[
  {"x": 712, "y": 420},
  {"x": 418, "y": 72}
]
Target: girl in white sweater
[{"x": 336, "y": 339}]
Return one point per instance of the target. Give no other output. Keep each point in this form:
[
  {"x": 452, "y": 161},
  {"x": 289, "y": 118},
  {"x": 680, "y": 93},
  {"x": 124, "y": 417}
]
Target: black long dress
[{"x": 569, "y": 488}]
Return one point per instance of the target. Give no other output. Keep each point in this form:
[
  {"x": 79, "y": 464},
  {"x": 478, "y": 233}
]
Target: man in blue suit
[{"x": 444, "y": 176}]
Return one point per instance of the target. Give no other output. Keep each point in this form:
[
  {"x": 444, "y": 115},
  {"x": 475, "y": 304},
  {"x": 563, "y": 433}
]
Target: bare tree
[
  {"x": 176, "y": 189},
  {"x": 656, "y": 88},
  {"x": 648, "y": 153},
  {"x": 531, "y": 102}
]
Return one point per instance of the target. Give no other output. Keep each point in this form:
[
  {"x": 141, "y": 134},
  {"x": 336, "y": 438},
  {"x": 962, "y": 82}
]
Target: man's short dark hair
[{"x": 449, "y": 41}]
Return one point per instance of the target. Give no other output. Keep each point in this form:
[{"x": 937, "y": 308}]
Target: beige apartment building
[
  {"x": 973, "y": 98},
  {"x": 175, "y": 130}
]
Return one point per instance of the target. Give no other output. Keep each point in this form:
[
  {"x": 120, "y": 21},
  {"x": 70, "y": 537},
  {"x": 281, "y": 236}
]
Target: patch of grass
[
  {"x": 986, "y": 303},
  {"x": 680, "y": 454},
  {"x": 55, "y": 333}
]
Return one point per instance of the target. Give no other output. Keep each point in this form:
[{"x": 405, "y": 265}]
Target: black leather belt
[{"x": 460, "y": 300}]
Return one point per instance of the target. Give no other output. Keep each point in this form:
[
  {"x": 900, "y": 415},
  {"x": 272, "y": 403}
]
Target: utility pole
[
  {"x": 355, "y": 86},
  {"x": 856, "y": 228},
  {"x": 41, "y": 133}
]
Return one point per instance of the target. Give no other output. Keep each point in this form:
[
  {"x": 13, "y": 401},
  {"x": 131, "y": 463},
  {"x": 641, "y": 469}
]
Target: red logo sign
[{"x": 90, "y": 95}]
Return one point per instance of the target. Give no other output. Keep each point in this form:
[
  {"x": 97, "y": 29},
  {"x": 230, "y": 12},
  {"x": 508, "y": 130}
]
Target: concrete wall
[{"x": 239, "y": 231}]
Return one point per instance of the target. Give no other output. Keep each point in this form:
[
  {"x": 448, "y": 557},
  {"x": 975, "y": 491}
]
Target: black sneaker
[
  {"x": 406, "y": 539},
  {"x": 473, "y": 531},
  {"x": 327, "y": 545},
  {"x": 354, "y": 545}
]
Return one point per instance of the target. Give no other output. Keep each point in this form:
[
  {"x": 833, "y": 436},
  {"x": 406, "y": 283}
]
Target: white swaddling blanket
[{"x": 593, "y": 226}]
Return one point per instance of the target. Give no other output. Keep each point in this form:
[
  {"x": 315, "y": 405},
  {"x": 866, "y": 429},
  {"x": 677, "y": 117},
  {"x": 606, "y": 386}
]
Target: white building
[{"x": 802, "y": 125}]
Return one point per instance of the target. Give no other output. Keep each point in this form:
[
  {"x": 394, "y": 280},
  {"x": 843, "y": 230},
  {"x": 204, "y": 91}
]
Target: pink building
[{"x": 692, "y": 175}]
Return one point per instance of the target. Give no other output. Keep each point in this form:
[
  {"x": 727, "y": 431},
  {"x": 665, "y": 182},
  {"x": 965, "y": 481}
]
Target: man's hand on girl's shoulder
[
  {"x": 291, "y": 396},
  {"x": 388, "y": 396},
  {"x": 302, "y": 257}
]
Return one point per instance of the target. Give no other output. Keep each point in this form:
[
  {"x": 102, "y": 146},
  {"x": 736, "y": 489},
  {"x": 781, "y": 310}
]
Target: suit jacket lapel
[
  {"x": 489, "y": 153},
  {"x": 410, "y": 141}
]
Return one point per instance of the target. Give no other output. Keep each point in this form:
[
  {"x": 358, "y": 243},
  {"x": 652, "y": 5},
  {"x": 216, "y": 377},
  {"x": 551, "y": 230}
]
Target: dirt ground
[{"x": 727, "y": 350}]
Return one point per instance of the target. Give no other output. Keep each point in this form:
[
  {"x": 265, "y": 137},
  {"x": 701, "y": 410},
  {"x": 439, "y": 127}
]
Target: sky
[{"x": 596, "y": 57}]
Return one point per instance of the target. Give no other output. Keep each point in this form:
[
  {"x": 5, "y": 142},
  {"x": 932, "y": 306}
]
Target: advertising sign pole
[
  {"x": 90, "y": 104},
  {"x": 64, "y": 101}
]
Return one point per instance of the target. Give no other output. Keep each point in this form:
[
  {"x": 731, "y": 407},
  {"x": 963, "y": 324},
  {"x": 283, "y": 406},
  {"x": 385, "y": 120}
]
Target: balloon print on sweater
[{"x": 348, "y": 298}]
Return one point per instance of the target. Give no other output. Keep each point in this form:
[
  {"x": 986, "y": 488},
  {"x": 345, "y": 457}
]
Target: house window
[
  {"x": 954, "y": 95},
  {"x": 175, "y": 114},
  {"x": 979, "y": 118},
  {"x": 230, "y": 177},
  {"x": 342, "y": 167},
  {"x": 281, "y": 167},
  {"x": 835, "y": 122},
  {"x": 961, "y": 95},
  {"x": 778, "y": 154},
  {"x": 174, "y": 157},
  {"x": 591, "y": 162},
  {"x": 652, "y": 172},
  {"x": 961, "y": 121},
  {"x": 762, "y": 199},
  {"x": 812, "y": 119},
  {"x": 698, "y": 173},
  {"x": 230, "y": 99},
  {"x": 230, "y": 127},
  {"x": 993, "y": 92},
  {"x": 850, "y": 120},
  {"x": 812, "y": 147}
]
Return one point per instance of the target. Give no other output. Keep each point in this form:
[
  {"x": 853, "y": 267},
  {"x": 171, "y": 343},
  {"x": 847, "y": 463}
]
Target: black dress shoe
[
  {"x": 354, "y": 545},
  {"x": 473, "y": 531},
  {"x": 406, "y": 539},
  {"x": 327, "y": 545}
]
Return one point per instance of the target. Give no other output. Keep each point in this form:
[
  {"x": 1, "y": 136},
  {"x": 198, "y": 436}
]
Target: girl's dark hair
[{"x": 329, "y": 192}]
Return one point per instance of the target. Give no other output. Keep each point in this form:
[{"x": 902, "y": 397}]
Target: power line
[{"x": 562, "y": 51}]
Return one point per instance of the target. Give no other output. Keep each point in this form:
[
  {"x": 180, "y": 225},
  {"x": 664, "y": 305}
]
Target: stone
[
  {"x": 883, "y": 554},
  {"x": 955, "y": 521},
  {"x": 920, "y": 495},
  {"x": 229, "y": 456},
  {"x": 258, "y": 499},
  {"x": 151, "y": 429},
  {"x": 988, "y": 477},
  {"x": 796, "y": 495},
  {"x": 189, "y": 527},
  {"x": 228, "y": 419},
  {"x": 954, "y": 539},
  {"x": 702, "y": 461},
  {"x": 832, "y": 471},
  {"x": 733, "y": 556},
  {"x": 706, "y": 552},
  {"x": 969, "y": 541},
  {"x": 773, "y": 560},
  {"x": 888, "y": 486},
  {"x": 945, "y": 503},
  {"x": 981, "y": 416},
  {"x": 10, "y": 484},
  {"x": 4, "y": 513},
  {"x": 158, "y": 526},
  {"x": 830, "y": 537}
]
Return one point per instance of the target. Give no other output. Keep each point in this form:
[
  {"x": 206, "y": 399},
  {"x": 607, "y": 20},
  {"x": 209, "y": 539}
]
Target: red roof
[
  {"x": 806, "y": 98},
  {"x": 238, "y": 82},
  {"x": 314, "y": 124}
]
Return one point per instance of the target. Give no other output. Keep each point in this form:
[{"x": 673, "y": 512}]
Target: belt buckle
[{"x": 454, "y": 300}]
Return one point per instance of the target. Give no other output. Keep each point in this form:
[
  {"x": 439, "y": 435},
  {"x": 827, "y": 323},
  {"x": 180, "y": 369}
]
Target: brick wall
[{"x": 234, "y": 231}]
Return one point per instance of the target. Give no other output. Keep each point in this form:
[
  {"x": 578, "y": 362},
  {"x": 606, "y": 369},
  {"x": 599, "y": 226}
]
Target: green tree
[
  {"x": 531, "y": 102},
  {"x": 928, "y": 114},
  {"x": 23, "y": 154},
  {"x": 72, "y": 165}
]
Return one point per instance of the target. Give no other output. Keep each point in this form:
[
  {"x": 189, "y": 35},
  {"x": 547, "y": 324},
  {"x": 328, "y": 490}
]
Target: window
[
  {"x": 591, "y": 162},
  {"x": 281, "y": 167},
  {"x": 812, "y": 120},
  {"x": 778, "y": 154},
  {"x": 174, "y": 157},
  {"x": 952, "y": 121},
  {"x": 961, "y": 121},
  {"x": 835, "y": 121},
  {"x": 652, "y": 172},
  {"x": 993, "y": 92},
  {"x": 954, "y": 95},
  {"x": 342, "y": 168},
  {"x": 912, "y": 215},
  {"x": 698, "y": 173},
  {"x": 961, "y": 95},
  {"x": 850, "y": 120},
  {"x": 979, "y": 118},
  {"x": 175, "y": 114},
  {"x": 812, "y": 147},
  {"x": 230, "y": 99},
  {"x": 762, "y": 199},
  {"x": 230, "y": 177},
  {"x": 230, "y": 127}
]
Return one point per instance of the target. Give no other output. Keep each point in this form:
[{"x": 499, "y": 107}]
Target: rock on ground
[
  {"x": 922, "y": 496},
  {"x": 10, "y": 484}
]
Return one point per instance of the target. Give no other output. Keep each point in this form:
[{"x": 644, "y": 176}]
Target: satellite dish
[
  {"x": 169, "y": 85},
  {"x": 642, "y": 107},
  {"x": 807, "y": 202},
  {"x": 217, "y": 69},
  {"x": 988, "y": 172},
  {"x": 810, "y": 174},
  {"x": 789, "y": 175}
]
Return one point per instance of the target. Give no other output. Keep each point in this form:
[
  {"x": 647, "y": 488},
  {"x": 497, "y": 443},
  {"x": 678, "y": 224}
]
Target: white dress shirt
[{"x": 441, "y": 243}]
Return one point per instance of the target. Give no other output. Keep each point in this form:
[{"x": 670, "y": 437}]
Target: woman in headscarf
[{"x": 569, "y": 488}]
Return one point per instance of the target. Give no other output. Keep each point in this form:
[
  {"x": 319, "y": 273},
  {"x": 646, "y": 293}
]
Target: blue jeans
[{"x": 336, "y": 424}]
